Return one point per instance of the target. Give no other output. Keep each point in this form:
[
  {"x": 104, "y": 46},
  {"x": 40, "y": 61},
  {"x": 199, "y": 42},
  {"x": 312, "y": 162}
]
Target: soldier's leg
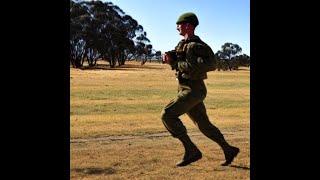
[
  {"x": 177, "y": 107},
  {"x": 199, "y": 116},
  {"x": 170, "y": 118},
  {"x": 171, "y": 121}
]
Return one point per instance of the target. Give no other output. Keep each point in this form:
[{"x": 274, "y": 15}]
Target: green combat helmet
[{"x": 188, "y": 17}]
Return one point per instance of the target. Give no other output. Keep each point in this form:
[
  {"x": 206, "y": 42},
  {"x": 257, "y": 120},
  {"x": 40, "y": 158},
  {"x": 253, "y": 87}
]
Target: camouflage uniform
[
  {"x": 191, "y": 70},
  {"x": 191, "y": 90}
]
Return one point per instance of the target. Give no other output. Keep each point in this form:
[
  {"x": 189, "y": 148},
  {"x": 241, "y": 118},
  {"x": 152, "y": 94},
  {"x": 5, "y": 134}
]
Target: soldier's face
[{"x": 182, "y": 28}]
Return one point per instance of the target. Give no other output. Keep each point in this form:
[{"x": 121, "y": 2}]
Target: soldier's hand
[{"x": 166, "y": 59}]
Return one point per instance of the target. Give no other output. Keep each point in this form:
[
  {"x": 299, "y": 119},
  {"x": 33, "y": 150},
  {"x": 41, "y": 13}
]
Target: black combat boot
[
  {"x": 192, "y": 153},
  {"x": 230, "y": 153}
]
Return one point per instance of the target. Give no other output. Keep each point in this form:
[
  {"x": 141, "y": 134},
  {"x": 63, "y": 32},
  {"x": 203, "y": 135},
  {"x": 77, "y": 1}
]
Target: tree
[
  {"x": 147, "y": 52},
  {"x": 243, "y": 60},
  {"x": 102, "y": 30},
  {"x": 78, "y": 14},
  {"x": 158, "y": 56},
  {"x": 230, "y": 50},
  {"x": 227, "y": 55},
  {"x": 141, "y": 41}
]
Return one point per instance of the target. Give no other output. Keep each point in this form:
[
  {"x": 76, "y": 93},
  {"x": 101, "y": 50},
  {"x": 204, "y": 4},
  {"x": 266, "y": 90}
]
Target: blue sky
[{"x": 220, "y": 21}]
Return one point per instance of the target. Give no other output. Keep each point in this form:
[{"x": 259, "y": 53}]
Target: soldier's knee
[{"x": 164, "y": 115}]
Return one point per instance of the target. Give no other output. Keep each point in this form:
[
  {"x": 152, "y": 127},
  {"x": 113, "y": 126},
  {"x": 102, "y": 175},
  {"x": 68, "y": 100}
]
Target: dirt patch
[
  {"x": 129, "y": 137},
  {"x": 95, "y": 171}
]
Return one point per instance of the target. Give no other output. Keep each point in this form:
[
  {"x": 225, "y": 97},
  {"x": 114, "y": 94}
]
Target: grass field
[{"x": 117, "y": 133}]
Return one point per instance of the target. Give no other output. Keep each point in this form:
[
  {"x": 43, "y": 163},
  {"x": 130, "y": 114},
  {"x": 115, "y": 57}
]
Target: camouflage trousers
[{"x": 190, "y": 101}]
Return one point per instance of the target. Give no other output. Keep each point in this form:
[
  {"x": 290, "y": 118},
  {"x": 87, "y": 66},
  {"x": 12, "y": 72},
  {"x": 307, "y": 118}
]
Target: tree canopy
[
  {"x": 230, "y": 57},
  {"x": 103, "y": 30}
]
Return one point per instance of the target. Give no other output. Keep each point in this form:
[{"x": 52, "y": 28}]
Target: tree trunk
[
  {"x": 78, "y": 63},
  {"x": 95, "y": 61},
  {"x": 73, "y": 62},
  {"x": 123, "y": 58},
  {"x": 112, "y": 61}
]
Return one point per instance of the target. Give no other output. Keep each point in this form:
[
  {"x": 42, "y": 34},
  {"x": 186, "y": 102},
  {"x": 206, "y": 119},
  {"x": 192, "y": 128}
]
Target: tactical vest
[{"x": 207, "y": 61}]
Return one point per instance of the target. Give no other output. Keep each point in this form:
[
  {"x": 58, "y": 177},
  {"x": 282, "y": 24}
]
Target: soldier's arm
[{"x": 170, "y": 58}]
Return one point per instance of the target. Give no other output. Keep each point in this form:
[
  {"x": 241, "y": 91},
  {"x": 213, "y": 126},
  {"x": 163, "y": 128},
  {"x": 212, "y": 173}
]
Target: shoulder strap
[
  {"x": 196, "y": 40},
  {"x": 185, "y": 47}
]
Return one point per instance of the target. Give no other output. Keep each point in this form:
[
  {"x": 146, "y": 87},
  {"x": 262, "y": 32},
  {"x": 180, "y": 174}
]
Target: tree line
[
  {"x": 230, "y": 57},
  {"x": 102, "y": 30}
]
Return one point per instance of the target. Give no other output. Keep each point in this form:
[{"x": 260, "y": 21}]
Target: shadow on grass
[
  {"x": 240, "y": 167},
  {"x": 243, "y": 69},
  {"x": 95, "y": 171},
  {"x": 126, "y": 67}
]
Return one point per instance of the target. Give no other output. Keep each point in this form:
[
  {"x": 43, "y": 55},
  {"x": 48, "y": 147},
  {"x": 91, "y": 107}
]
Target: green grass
[
  {"x": 128, "y": 102},
  {"x": 110, "y": 108},
  {"x": 107, "y": 94}
]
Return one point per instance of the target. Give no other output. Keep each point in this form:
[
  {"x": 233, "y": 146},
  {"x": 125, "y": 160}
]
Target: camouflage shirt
[{"x": 192, "y": 65}]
